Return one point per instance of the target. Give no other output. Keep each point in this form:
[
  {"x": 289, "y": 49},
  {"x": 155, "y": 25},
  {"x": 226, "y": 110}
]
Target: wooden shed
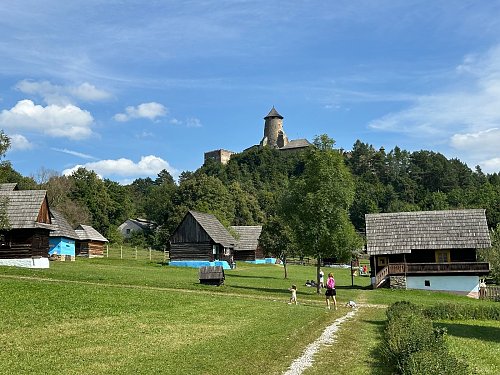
[
  {"x": 430, "y": 250},
  {"x": 25, "y": 227},
  {"x": 90, "y": 242},
  {"x": 247, "y": 247},
  {"x": 62, "y": 239},
  {"x": 201, "y": 237}
]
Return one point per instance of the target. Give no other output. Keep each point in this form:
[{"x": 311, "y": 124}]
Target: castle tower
[{"x": 274, "y": 136}]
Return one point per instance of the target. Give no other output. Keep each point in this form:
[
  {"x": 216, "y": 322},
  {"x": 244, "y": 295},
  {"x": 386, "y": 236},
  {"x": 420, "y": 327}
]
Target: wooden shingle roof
[
  {"x": 296, "y": 143},
  {"x": 401, "y": 232},
  {"x": 23, "y": 208},
  {"x": 248, "y": 236},
  {"x": 214, "y": 228},
  {"x": 8, "y": 186},
  {"x": 62, "y": 227},
  {"x": 88, "y": 233}
]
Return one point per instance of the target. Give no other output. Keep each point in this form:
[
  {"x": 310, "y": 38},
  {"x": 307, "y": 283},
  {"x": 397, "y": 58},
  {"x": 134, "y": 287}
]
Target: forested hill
[{"x": 245, "y": 191}]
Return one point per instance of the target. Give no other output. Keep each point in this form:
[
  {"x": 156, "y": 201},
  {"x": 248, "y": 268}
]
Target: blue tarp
[
  {"x": 262, "y": 261},
  {"x": 198, "y": 264}
]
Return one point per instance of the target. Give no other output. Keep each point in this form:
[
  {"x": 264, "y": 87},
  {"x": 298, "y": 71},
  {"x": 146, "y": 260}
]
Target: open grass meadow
[{"x": 112, "y": 316}]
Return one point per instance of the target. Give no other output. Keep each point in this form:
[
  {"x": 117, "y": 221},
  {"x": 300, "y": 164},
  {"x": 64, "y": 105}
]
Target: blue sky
[{"x": 129, "y": 88}]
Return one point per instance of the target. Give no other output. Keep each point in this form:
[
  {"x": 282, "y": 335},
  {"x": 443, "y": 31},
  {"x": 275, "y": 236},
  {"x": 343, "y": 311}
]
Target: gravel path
[{"x": 306, "y": 360}]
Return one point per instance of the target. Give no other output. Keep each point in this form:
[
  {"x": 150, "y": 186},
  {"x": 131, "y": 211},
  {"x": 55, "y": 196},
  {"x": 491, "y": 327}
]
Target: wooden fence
[
  {"x": 135, "y": 253},
  {"x": 493, "y": 292}
]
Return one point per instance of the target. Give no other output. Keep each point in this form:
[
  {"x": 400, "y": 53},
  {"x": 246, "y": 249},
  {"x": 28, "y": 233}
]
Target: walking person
[
  {"x": 293, "y": 298},
  {"x": 330, "y": 292},
  {"x": 321, "y": 278}
]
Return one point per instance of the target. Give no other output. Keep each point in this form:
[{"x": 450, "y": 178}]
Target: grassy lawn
[
  {"x": 96, "y": 316},
  {"x": 483, "y": 337}
]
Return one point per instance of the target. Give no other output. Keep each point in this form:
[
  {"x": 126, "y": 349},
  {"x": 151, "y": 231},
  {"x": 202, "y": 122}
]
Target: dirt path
[{"x": 328, "y": 336}]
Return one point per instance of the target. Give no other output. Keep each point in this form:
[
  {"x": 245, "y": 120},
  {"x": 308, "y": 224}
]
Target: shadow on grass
[
  {"x": 354, "y": 287},
  {"x": 229, "y": 275},
  {"x": 266, "y": 290},
  {"x": 472, "y": 331},
  {"x": 379, "y": 358}
]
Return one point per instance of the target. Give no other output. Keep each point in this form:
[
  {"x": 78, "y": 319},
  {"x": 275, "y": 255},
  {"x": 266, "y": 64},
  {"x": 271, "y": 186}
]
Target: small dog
[{"x": 351, "y": 304}]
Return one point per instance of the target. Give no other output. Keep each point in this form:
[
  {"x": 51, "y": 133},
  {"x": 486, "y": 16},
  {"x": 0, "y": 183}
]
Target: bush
[
  {"x": 409, "y": 333},
  {"x": 432, "y": 362},
  {"x": 410, "y": 337},
  {"x": 450, "y": 311}
]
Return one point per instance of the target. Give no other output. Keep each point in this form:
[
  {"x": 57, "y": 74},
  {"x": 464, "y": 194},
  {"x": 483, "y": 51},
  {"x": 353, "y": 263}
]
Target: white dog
[{"x": 351, "y": 304}]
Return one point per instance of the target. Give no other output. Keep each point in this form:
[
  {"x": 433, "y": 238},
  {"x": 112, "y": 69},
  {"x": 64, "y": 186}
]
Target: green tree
[
  {"x": 91, "y": 192},
  {"x": 492, "y": 254},
  {"x": 277, "y": 239},
  {"x": 318, "y": 202}
]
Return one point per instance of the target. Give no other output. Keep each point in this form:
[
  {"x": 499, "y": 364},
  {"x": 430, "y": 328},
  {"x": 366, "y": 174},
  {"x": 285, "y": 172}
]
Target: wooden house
[
  {"x": 200, "y": 238},
  {"x": 90, "y": 242},
  {"x": 25, "y": 227},
  {"x": 135, "y": 225},
  {"x": 247, "y": 247},
  {"x": 62, "y": 239},
  {"x": 429, "y": 250}
]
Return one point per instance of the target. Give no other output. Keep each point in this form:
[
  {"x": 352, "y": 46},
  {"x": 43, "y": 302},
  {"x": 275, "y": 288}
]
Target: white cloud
[
  {"x": 193, "y": 123},
  {"x": 148, "y": 166},
  {"x": 465, "y": 115},
  {"x": 66, "y": 121},
  {"x": 74, "y": 153},
  {"x": 62, "y": 95},
  {"x": 491, "y": 165},
  {"x": 19, "y": 142},
  {"x": 150, "y": 111}
]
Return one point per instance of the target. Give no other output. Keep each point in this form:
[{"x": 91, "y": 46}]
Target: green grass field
[{"x": 108, "y": 316}]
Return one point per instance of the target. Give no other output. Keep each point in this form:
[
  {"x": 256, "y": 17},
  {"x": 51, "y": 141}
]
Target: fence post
[
  {"x": 107, "y": 251},
  {"x": 150, "y": 254},
  {"x": 136, "y": 253},
  {"x": 121, "y": 252}
]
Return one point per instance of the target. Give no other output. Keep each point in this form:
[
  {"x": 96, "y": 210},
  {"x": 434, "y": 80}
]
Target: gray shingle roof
[
  {"x": 214, "y": 228},
  {"x": 395, "y": 233},
  {"x": 8, "y": 186},
  {"x": 62, "y": 227},
  {"x": 23, "y": 207},
  {"x": 86, "y": 233},
  {"x": 249, "y": 236},
  {"x": 296, "y": 143},
  {"x": 273, "y": 113}
]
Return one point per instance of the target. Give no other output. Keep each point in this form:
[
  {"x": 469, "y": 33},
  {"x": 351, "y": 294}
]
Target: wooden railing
[
  {"x": 381, "y": 275},
  {"x": 402, "y": 268}
]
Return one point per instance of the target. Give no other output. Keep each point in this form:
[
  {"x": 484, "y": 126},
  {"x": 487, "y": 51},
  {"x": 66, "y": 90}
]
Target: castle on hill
[{"x": 274, "y": 136}]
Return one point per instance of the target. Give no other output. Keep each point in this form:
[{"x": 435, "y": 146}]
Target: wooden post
[
  {"x": 107, "y": 251},
  {"x": 136, "y": 253},
  {"x": 121, "y": 252},
  {"x": 150, "y": 254}
]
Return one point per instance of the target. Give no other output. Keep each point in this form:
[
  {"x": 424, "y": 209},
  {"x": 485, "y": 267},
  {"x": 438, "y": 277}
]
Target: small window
[
  {"x": 443, "y": 256},
  {"x": 128, "y": 231},
  {"x": 427, "y": 283},
  {"x": 382, "y": 261}
]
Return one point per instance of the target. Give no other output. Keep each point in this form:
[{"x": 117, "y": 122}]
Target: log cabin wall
[
  {"x": 191, "y": 251},
  {"x": 25, "y": 243},
  {"x": 244, "y": 255},
  {"x": 190, "y": 231}
]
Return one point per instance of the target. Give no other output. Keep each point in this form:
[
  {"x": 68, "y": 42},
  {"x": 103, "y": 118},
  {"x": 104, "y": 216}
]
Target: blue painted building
[{"x": 62, "y": 239}]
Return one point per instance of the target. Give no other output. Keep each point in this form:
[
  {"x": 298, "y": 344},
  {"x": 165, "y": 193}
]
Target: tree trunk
[
  {"x": 284, "y": 266},
  {"x": 318, "y": 266}
]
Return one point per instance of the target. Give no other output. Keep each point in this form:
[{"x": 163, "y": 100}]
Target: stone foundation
[{"x": 397, "y": 282}]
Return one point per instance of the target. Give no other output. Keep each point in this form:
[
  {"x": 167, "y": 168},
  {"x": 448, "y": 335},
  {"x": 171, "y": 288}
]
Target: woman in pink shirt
[{"x": 330, "y": 291}]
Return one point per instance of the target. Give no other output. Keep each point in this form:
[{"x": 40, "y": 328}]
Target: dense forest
[{"x": 246, "y": 190}]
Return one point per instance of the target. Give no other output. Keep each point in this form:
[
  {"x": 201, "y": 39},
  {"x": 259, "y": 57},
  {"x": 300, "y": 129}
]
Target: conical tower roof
[{"x": 273, "y": 113}]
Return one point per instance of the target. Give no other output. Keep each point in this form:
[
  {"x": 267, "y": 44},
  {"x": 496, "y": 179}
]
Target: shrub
[
  {"x": 451, "y": 311},
  {"x": 410, "y": 337},
  {"x": 432, "y": 362}
]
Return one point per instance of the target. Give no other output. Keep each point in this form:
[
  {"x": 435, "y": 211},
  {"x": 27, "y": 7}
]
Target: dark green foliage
[
  {"x": 449, "y": 311},
  {"x": 413, "y": 346},
  {"x": 435, "y": 361}
]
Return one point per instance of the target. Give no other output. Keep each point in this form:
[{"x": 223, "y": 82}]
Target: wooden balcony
[
  {"x": 474, "y": 268},
  {"x": 453, "y": 267}
]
